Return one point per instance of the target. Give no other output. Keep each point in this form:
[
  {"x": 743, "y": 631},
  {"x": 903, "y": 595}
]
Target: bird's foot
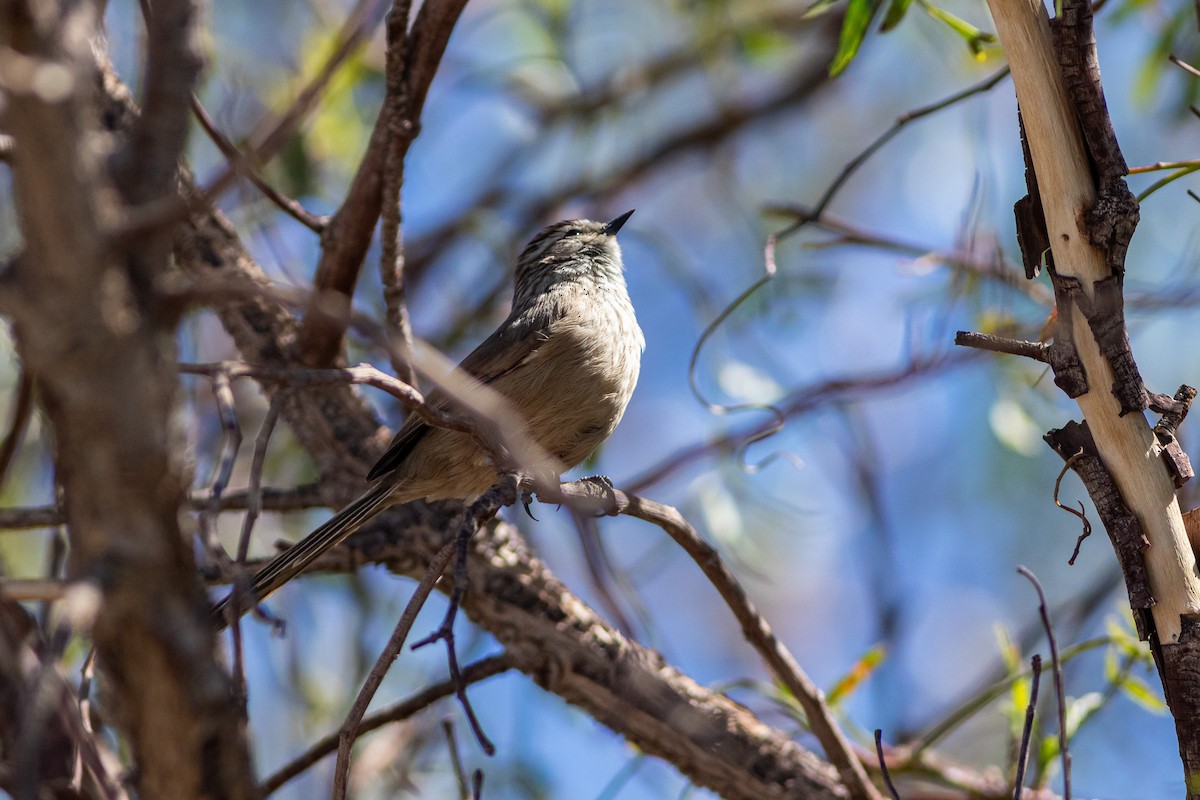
[{"x": 607, "y": 501}]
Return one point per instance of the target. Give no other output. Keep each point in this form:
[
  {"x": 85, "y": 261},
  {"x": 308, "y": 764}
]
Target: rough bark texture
[
  {"x": 1089, "y": 217},
  {"x": 569, "y": 650},
  {"x": 89, "y": 329}
]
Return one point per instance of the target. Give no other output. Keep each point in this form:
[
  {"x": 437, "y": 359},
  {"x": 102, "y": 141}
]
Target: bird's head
[{"x": 571, "y": 249}]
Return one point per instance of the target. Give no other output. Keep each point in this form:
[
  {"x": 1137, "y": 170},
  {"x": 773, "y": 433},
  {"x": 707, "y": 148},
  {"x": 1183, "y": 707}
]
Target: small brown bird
[{"x": 566, "y": 359}]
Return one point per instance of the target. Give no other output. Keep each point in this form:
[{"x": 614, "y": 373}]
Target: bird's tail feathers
[{"x": 296, "y": 558}]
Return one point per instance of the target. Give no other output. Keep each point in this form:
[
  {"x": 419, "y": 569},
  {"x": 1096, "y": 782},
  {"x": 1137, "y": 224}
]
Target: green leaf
[
  {"x": 1047, "y": 751},
  {"x": 818, "y": 8},
  {"x": 762, "y": 44},
  {"x": 974, "y": 37},
  {"x": 1140, "y": 692},
  {"x": 895, "y": 12},
  {"x": 1008, "y": 649},
  {"x": 1081, "y": 709},
  {"x": 858, "y": 674},
  {"x": 854, "y": 30},
  {"x": 1112, "y": 669}
]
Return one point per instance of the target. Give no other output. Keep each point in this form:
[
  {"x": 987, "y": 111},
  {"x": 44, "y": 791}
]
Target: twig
[
  {"x": 363, "y": 374},
  {"x": 1059, "y": 691},
  {"x": 883, "y": 767},
  {"x": 778, "y": 418},
  {"x": 991, "y": 265},
  {"x": 472, "y": 673},
  {"x": 799, "y": 401},
  {"x": 503, "y": 493},
  {"x": 455, "y": 760},
  {"x": 253, "y": 509},
  {"x": 231, "y": 444},
  {"x": 601, "y": 572},
  {"x": 998, "y": 344},
  {"x": 346, "y": 239},
  {"x": 489, "y": 419},
  {"x": 269, "y": 137},
  {"x": 592, "y": 494},
  {"x": 391, "y": 650},
  {"x": 314, "y": 223},
  {"x": 1035, "y": 668},
  {"x": 21, "y": 412},
  {"x": 1186, "y": 67},
  {"x": 254, "y": 504},
  {"x": 299, "y": 498},
  {"x": 401, "y": 129},
  {"x": 1087, "y": 526},
  {"x": 445, "y": 633},
  {"x": 986, "y": 85}
]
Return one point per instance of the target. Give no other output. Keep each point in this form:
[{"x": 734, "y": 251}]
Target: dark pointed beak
[{"x": 614, "y": 226}]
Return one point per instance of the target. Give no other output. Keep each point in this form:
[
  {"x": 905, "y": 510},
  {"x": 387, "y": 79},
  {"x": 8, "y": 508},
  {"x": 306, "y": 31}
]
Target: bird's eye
[{"x": 572, "y": 232}]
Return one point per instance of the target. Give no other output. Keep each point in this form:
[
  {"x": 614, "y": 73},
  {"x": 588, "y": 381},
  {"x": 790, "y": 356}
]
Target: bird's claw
[{"x": 526, "y": 502}]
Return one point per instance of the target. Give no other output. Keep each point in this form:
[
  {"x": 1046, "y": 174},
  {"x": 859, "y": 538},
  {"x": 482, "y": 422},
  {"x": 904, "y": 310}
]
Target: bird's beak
[{"x": 614, "y": 226}]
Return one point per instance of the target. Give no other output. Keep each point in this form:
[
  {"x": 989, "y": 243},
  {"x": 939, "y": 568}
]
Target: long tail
[{"x": 296, "y": 558}]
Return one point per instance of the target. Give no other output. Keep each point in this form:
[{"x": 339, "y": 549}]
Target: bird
[{"x": 566, "y": 359}]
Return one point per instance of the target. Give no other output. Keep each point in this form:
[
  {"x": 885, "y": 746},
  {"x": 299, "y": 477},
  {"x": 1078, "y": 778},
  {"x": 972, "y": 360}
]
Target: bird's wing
[{"x": 508, "y": 348}]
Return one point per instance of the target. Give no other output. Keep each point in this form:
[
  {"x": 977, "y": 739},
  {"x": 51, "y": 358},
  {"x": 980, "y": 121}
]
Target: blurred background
[{"x": 880, "y": 528}]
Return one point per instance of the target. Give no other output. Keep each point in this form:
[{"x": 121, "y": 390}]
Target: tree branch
[
  {"x": 346, "y": 239},
  {"x": 89, "y": 328}
]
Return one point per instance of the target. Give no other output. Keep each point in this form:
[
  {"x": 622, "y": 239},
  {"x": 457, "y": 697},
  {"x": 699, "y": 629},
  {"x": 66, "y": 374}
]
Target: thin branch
[
  {"x": 401, "y": 128},
  {"x": 720, "y": 409},
  {"x": 231, "y": 444},
  {"x": 1186, "y": 67},
  {"x": 254, "y": 503},
  {"x": 269, "y": 138},
  {"x": 364, "y": 374},
  {"x": 253, "y": 509},
  {"x": 901, "y": 122},
  {"x": 22, "y": 411},
  {"x": 1035, "y": 668},
  {"x": 243, "y": 164},
  {"x": 445, "y": 633},
  {"x": 1059, "y": 691},
  {"x": 299, "y": 498},
  {"x": 591, "y": 494},
  {"x": 349, "y": 730},
  {"x": 798, "y": 402},
  {"x": 455, "y": 759},
  {"x": 991, "y": 265},
  {"x": 273, "y": 499},
  {"x": 346, "y": 239},
  {"x": 883, "y": 767},
  {"x": 1087, "y": 526},
  {"x": 997, "y": 344},
  {"x": 503, "y": 493},
  {"x": 472, "y": 673}
]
